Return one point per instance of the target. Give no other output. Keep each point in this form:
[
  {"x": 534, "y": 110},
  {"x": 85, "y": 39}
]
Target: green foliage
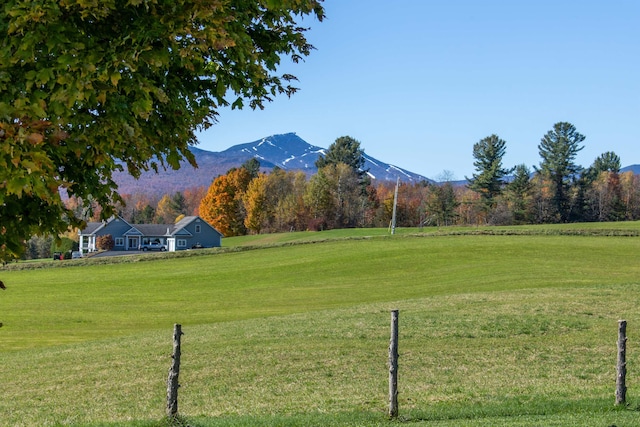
[
  {"x": 441, "y": 205},
  {"x": 100, "y": 86},
  {"x": 169, "y": 208},
  {"x": 558, "y": 150},
  {"x": 334, "y": 199},
  {"x": 344, "y": 150},
  {"x": 606, "y": 162},
  {"x": 489, "y": 179},
  {"x": 318, "y": 197},
  {"x": 252, "y": 166},
  {"x": 143, "y": 216},
  {"x": 518, "y": 193},
  {"x": 64, "y": 245},
  {"x": 39, "y": 247}
]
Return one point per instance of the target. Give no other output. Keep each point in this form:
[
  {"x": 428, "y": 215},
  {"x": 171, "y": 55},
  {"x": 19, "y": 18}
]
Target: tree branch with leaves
[{"x": 89, "y": 88}]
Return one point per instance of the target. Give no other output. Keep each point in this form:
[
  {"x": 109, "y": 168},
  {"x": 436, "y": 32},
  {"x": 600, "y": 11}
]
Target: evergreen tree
[
  {"x": 558, "y": 150},
  {"x": 605, "y": 162},
  {"x": 169, "y": 208},
  {"x": 179, "y": 204},
  {"x": 146, "y": 215},
  {"x": 252, "y": 166},
  {"x": 518, "y": 193},
  {"x": 344, "y": 150},
  {"x": 442, "y": 204},
  {"x": 489, "y": 179}
]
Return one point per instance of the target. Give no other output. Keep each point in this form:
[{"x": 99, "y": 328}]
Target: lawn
[{"x": 495, "y": 330}]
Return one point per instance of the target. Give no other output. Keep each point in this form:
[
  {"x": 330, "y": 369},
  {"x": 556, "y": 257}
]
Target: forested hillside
[{"x": 246, "y": 199}]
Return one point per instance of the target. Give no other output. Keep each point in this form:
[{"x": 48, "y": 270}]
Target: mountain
[
  {"x": 633, "y": 168},
  {"x": 287, "y": 151}
]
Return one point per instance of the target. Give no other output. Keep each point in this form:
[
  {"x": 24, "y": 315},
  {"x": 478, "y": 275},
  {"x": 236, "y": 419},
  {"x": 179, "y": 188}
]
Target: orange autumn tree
[{"x": 222, "y": 207}]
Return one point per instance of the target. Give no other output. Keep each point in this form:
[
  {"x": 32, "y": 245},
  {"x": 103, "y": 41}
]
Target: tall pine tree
[
  {"x": 558, "y": 150},
  {"x": 489, "y": 179}
]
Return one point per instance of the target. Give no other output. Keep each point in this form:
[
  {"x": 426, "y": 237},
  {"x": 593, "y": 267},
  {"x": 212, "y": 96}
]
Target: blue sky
[{"x": 418, "y": 82}]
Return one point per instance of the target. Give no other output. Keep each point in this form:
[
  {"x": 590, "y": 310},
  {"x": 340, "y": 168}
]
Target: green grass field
[{"x": 505, "y": 327}]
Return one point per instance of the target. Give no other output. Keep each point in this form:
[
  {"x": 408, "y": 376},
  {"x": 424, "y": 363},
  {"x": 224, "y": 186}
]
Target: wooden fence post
[
  {"x": 174, "y": 372},
  {"x": 393, "y": 366},
  {"x": 621, "y": 367}
]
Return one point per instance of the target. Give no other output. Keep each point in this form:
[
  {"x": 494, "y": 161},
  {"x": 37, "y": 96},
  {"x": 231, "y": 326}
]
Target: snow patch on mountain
[{"x": 290, "y": 152}]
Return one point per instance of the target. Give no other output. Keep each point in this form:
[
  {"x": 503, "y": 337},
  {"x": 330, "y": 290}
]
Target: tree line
[
  {"x": 342, "y": 195},
  {"x": 557, "y": 190}
]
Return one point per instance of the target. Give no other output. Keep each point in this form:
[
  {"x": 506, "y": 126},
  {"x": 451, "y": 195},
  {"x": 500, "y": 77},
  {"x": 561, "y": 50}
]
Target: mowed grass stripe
[{"x": 50, "y": 306}]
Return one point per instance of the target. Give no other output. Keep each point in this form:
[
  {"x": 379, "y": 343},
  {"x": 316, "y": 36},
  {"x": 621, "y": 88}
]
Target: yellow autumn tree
[
  {"x": 164, "y": 212},
  {"x": 256, "y": 204}
]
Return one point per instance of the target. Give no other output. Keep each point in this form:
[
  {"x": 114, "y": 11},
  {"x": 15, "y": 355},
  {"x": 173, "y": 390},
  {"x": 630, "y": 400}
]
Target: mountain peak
[
  {"x": 290, "y": 152},
  {"x": 287, "y": 151}
]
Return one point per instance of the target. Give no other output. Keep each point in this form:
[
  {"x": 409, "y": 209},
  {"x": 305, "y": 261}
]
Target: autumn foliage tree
[
  {"x": 285, "y": 195},
  {"x": 223, "y": 207},
  {"x": 92, "y": 87},
  {"x": 256, "y": 204},
  {"x": 170, "y": 207},
  {"x": 105, "y": 242}
]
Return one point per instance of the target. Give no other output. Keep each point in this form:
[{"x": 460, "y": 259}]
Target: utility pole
[{"x": 395, "y": 204}]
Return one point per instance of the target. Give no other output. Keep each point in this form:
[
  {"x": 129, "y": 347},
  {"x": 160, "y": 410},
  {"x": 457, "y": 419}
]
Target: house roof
[
  {"x": 92, "y": 227},
  {"x": 151, "y": 230},
  {"x": 184, "y": 222},
  {"x": 188, "y": 220},
  {"x": 155, "y": 229}
]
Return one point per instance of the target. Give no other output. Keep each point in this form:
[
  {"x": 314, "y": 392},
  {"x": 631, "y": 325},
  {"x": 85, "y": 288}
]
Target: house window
[
  {"x": 182, "y": 243},
  {"x": 197, "y": 228},
  {"x": 119, "y": 241}
]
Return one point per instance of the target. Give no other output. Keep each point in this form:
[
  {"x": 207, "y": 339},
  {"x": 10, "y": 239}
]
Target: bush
[
  {"x": 38, "y": 247},
  {"x": 105, "y": 243}
]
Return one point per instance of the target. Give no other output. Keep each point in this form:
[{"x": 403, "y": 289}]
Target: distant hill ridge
[
  {"x": 287, "y": 151},
  {"x": 633, "y": 168}
]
